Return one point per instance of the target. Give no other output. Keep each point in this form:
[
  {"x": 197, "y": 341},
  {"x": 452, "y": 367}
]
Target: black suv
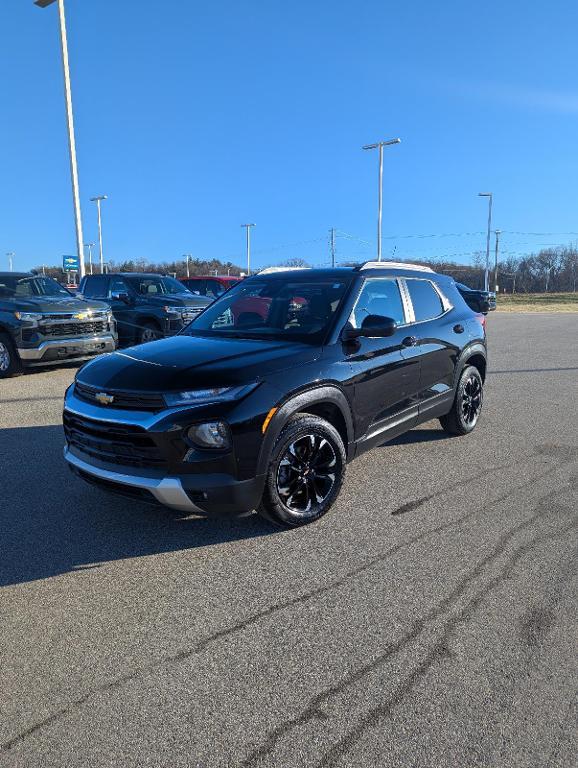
[
  {"x": 145, "y": 306},
  {"x": 265, "y": 397},
  {"x": 41, "y": 323}
]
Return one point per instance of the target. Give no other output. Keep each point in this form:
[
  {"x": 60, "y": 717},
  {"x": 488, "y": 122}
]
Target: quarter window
[
  {"x": 379, "y": 296},
  {"x": 426, "y": 301}
]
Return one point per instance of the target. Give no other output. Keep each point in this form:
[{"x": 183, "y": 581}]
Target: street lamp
[
  {"x": 248, "y": 228},
  {"x": 380, "y": 145},
  {"x": 490, "y": 196},
  {"x": 70, "y": 123},
  {"x": 10, "y": 256},
  {"x": 497, "y": 233},
  {"x": 187, "y": 256},
  {"x": 90, "y": 246},
  {"x": 98, "y": 200}
]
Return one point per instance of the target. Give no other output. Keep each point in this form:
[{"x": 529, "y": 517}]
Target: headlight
[
  {"x": 29, "y": 317},
  {"x": 173, "y": 310},
  {"x": 211, "y": 434},
  {"x": 213, "y": 395}
]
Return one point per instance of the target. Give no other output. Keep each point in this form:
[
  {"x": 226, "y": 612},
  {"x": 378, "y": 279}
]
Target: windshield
[
  {"x": 35, "y": 285},
  {"x": 263, "y": 308},
  {"x": 156, "y": 285}
]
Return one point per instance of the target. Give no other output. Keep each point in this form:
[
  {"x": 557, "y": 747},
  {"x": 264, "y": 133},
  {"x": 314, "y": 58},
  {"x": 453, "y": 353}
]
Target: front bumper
[
  {"x": 55, "y": 350},
  {"x": 210, "y": 494}
]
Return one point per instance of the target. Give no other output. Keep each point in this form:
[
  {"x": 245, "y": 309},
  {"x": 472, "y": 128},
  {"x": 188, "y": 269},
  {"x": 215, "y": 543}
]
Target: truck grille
[
  {"x": 113, "y": 443},
  {"x": 139, "y": 401},
  {"x": 91, "y": 328}
]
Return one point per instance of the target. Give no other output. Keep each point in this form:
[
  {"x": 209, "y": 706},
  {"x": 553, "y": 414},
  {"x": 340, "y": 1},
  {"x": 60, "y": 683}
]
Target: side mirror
[
  {"x": 373, "y": 327},
  {"x": 120, "y": 296}
]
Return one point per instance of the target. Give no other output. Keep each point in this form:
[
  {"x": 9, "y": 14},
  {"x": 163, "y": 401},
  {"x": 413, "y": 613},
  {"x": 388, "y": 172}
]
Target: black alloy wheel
[
  {"x": 467, "y": 405},
  {"x": 306, "y": 472}
]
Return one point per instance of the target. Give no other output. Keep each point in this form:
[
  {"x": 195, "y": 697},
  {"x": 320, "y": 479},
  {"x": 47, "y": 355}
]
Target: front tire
[
  {"x": 10, "y": 363},
  {"x": 305, "y": 473},
  {"x": 467, "y": 405},
  {"x": 149, "y": 332}
]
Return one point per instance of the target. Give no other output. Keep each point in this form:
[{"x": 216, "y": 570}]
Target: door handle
[
  {"x": 459, "y": 328},
  {"x": 410, "y": 341}
]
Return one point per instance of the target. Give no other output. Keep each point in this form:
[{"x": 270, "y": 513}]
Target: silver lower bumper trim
[
  {"x": 167, "y": 490},
  {"x": 84, "y": 345}
]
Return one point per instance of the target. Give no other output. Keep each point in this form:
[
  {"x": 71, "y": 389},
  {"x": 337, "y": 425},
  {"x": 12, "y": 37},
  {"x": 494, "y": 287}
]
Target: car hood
[
  {"x": 192, "y": 362},
  {"x": 50, "y": 304},
  {"x": 185, "y": 299}
]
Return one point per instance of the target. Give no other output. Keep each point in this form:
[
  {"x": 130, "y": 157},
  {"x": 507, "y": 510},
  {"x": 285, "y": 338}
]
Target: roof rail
[
  {"x": 394, "y": 265},
  {"x": 271, "y": 270}
]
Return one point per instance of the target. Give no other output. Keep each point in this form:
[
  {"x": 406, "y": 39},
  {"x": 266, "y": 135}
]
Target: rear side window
[
  {"x": 94, "y": 287},
  {"x": 425, "y": 299}
]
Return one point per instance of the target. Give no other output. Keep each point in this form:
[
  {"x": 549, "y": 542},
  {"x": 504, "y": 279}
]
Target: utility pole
[
  {"x": 70, "y": 123},
  {"x": 98, "y": 200},
  {"x": 187, "y": 256},
  {"x": 497, "y": 232},
  {"x": 380, "y": 145},
  {"x": 332, "y": 243},
  {"x": 248, "y": 228},
  {"x": 490, "y": 197},
  {"x": 90, "y": 247},
  {"x": 11, "y": 255}
]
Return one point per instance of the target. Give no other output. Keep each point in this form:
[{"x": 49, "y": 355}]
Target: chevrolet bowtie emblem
[
  {"x": 103, "y": 398},
  {"x": 82, "y": 316}
]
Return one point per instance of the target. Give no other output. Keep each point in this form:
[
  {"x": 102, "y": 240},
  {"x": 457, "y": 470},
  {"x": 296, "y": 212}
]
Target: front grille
[
  {"x": 74, "y": 329},
  {"x": 114, "y": 443},
  {"x": 140, "y": 401}
]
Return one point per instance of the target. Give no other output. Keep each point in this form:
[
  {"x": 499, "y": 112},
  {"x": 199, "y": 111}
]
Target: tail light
[{"x": 482, "y": 319}]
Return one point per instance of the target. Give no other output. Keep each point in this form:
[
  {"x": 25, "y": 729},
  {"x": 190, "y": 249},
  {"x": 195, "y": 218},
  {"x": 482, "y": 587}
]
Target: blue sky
[{"x": 195, "y": 117}]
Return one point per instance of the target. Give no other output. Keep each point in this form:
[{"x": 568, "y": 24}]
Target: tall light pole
[
  {"x": 187, "y": 256},
  {"x": 490, "y": 196},
  {"x": 10, "y": 256},
  {"x": 332, "y": 245},
  {"x": 248, "y": 228},
  {"x": 98, "y": 200},
  {"x": 380, "y": 145},
  {"x": 70, "y": 123},
  {"x": 497, "y": 233},
  {"x": 90, "y": 246}
]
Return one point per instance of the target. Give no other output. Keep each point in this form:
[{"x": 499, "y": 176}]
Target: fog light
[{"x": 211, "y": 434}]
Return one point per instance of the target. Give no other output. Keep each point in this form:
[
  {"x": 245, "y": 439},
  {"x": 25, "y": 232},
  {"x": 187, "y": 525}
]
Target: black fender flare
[
  {"x": 474, "y": 348},
  {"x": 329, "y": 394}
]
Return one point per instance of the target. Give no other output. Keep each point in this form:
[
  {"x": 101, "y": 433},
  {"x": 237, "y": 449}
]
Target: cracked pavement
[{"x": 429, "y": 620}]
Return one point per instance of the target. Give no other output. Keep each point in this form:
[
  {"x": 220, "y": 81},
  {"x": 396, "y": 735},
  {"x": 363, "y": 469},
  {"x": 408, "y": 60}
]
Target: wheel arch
[
  {"x": 474, "y": 354},
  {"x": 327, "y": 402}
]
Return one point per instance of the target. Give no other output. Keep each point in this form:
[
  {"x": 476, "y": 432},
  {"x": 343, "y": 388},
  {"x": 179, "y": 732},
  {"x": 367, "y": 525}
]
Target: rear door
[
  {"x": 437, "y": 335},
  {"x": 385, "y": 371}
]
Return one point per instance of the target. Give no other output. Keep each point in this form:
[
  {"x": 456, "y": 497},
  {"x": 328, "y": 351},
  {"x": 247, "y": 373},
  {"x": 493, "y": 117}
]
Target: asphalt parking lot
[{"x": 429, "y": 620}]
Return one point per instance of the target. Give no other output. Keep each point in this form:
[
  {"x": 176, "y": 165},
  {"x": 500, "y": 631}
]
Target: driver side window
[
  {"x": 379, "y": 296},
  {"x": 117, "y": 285}
]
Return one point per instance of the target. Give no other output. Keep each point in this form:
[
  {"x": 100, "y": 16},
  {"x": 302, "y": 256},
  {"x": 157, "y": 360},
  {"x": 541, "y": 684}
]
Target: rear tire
[
  {"x": 10, "y": 363},
  {"x": 305, "y": 473},
  {"x": 467, "y": 405}
]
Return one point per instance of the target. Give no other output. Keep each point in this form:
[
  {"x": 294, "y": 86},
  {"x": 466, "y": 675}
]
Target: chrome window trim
[
  {"x": 401, "y": 292},
  {"x": 446, "y": 304}
]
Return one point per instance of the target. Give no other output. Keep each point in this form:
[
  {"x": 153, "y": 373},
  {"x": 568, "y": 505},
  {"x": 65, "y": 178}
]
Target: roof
[
  {"x": 394, "y": 265},
  {"x": 17, "y": 274},
  {"x": 131, "y": 274}
]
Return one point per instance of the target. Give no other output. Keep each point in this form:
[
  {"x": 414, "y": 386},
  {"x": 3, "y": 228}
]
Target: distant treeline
[{"x": 550, "y": 270}]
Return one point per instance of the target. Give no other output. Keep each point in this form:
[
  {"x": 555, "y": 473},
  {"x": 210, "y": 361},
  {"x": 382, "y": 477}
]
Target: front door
[
  {"x": 124, "y": 313},
  {"x": 385, "y": 370}
]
